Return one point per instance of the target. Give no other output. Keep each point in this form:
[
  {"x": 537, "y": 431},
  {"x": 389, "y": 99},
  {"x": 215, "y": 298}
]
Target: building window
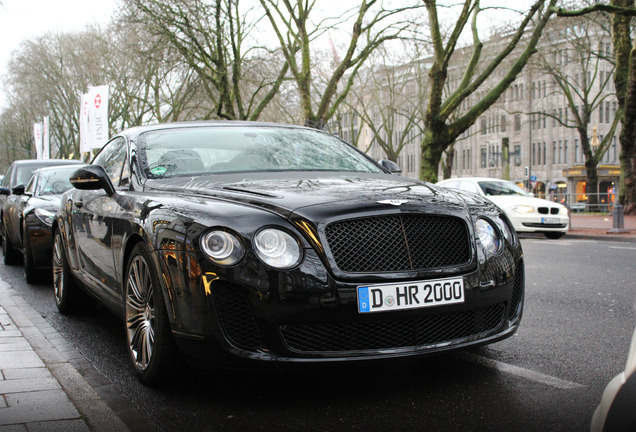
[
  {"x": 503, "y": 123},
  {"x": 484, "y": 157},
  {"x": 545, "y": 160},
  {"x": 534, "y": 159},
  {"x": 576, "y": 150},
  {"x": 517, "y": 122},
  {"x": 484, "y": 126},
  {"x": 554, "y": 151},
  {"x": 560, "y": 150},
  {"x": 565, "y": 151},
  {"x": 607, "y": 111}
]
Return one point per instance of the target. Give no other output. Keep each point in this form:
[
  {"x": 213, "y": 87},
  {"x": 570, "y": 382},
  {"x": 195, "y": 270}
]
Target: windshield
[
  {"x": 501, "y": 188},
  {"x": 54, "y": 182},
  {"x": 213, "y": 150}
]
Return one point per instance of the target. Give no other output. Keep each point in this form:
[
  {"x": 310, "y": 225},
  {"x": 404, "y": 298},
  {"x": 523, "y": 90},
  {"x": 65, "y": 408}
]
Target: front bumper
[
  {"x": 540, "y": 223},
  {"x": 307, "y": 316}
]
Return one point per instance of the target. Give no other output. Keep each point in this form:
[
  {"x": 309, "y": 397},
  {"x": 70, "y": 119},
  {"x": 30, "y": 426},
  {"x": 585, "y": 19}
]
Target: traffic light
[{"x": 526, "y": 171}]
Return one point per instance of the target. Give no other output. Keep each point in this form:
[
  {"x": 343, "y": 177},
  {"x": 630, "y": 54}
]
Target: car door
[
  {"x": 93, "y": 218},
  {"x": 13, "y": 213}
]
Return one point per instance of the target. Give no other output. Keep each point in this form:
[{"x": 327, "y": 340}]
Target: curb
[{"x": 101, "y": 406}]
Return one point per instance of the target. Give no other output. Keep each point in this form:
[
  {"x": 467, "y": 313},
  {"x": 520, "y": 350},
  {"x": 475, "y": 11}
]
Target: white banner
[
  {"x": 84, "y": 125},
  {"x": 97, "y": 116},
  {"x": 46, "y": 140},
  {"x": 37, "y": 137}
]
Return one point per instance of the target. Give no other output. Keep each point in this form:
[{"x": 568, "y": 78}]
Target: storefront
[{"x": 608, "y": 176}]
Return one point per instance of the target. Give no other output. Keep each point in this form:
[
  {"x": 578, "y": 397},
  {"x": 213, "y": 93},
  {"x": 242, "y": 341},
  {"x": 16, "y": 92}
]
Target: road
[{"x": 578, "y": 320}]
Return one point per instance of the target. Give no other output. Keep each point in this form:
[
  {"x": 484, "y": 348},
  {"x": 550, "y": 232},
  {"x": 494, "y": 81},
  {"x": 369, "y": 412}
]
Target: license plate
[
  {"x": 550, "y": 220},
  {"x": 410, "y": 295}
]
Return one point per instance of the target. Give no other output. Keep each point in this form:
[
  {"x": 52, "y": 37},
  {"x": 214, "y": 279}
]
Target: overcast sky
[{"x": 24, "y": 19}]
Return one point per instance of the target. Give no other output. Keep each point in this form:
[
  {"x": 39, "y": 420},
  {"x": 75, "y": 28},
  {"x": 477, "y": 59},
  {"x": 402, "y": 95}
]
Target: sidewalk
[
  {"x": 47, "y": 385},
  {"x": 599, "y": 227}
]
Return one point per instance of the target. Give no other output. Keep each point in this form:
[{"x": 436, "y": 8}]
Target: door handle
[{"x": 79, "y": 204}]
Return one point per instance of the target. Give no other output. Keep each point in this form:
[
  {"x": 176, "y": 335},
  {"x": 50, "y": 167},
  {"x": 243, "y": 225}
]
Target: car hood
[
  {"x": 47, "y": 202},
  {"x": 287, "y": 193},
  {"x": 507, "y": 201}
]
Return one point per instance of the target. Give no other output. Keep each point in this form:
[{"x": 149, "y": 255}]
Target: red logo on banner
[
  {"x": 98, "y": 101},
  {"x": 85, "y": 107}
]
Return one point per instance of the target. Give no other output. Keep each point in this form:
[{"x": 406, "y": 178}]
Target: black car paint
[
  {"x": 169, "y": 216},
  {"x": 19, "y": 221}
]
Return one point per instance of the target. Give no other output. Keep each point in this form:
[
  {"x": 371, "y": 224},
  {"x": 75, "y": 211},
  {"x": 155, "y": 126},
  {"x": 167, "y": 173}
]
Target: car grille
[
  {"x": 517, "y": 292},
  {"x": 398, "y": 243},
  {"x": 386, "y": 334},
  {"x": 550, "y": 210},
  {"x": 236, "y": 318}
]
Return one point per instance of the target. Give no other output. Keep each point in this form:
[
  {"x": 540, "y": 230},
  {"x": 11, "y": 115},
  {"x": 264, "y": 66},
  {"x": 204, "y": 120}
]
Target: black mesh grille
[
  {"x": 543, "y": 210},
  {"x": 517, "y": 292},
  {"x": 398, "y": 243},
  {"x": 554, "y": 210},
  {"x": 385, "y": 334},
  {"x": 236, "y": 318}
]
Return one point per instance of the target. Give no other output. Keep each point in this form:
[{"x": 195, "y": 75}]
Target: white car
[{"x": 527, "y": 213}]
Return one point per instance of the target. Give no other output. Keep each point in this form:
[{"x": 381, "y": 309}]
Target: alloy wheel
[
  {"x": 140, "y": 312},
  {"x": 58, "y": 269}
]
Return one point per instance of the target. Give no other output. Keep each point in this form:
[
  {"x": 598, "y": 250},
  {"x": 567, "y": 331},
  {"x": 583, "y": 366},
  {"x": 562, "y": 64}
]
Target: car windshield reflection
[
  {"x": 501, "y": 188},
  {"x": 197, "y": 151}
]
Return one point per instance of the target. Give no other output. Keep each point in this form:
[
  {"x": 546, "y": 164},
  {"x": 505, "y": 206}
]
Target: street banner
[
  {"x": 84, "y": 124},
  {"x": 37, "y": 137},
  {"x": 97, "y": 116},
  {"x": 46, "y": 140}
]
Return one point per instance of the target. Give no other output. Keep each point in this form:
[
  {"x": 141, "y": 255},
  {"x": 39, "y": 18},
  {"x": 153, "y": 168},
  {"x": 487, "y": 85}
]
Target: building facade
[{"x": 536, "y": 117}]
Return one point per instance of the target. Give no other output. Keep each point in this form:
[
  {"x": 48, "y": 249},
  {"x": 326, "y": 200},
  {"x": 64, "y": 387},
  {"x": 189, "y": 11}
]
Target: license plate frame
[
  {"x": 550, "y": 220},
  {"x": 410, "y": 295}
]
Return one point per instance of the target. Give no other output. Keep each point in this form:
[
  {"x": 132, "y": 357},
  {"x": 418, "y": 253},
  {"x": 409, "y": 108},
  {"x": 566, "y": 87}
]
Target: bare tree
[
  {"x": 211, "y": 38},
  {"x": 296, "y": 31},
  {"x": 582, "y": 73},
  {"x": 622, "y": 12},
  {"x": 508, "y": 57},
  {"x": 390, "y": 99}
]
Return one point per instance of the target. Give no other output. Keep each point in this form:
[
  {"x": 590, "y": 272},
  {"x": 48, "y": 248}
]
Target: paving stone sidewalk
[{"x": 40, "y": 386}]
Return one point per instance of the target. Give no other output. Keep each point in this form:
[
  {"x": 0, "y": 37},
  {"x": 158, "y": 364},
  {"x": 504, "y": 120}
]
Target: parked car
[
  {"x": 616, "y": 413},
  {"x": 270, "y": 243},
  {"x": 19, "y": 174},
  {"x": 527, "y": 213},
  {"x": 28, "y": 216}
]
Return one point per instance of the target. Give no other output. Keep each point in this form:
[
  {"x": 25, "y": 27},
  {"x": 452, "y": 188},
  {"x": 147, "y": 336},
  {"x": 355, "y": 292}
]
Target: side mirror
[
  {"x": 4, "y": 190},
  {"x": 92, "y": 177},
  {"x": 390, "y": 166},
  {"x": 18, "y": 190}
]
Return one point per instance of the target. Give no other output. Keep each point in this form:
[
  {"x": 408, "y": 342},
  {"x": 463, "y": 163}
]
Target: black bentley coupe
[{"x": 233, "y": 241}]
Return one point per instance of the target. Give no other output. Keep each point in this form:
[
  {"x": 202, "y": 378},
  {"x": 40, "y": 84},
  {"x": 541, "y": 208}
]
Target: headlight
[
  {"x": 276, "y": 248},
  {"x": 488, "y": 236},
  {"x": 507, "y": 230},
  {"x": 222, "y": 247},
  {"x": 563, "y": 211},
  {"x": 45, "y": 216},
  {"x": 522, "y": 209}
]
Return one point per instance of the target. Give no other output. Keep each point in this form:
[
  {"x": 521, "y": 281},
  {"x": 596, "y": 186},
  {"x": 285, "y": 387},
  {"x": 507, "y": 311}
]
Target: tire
[
  {"x": 10, "y": 254},
  {"x": 30, "y": 272},
  {"x": 64, "y": 287},
  {"x": 554, "y": 235},
  {"x": 148, "y": 336}
]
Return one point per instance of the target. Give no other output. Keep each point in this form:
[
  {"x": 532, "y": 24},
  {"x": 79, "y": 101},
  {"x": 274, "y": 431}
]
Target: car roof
[
  {"x": 137, "y": 130},
  {"x": 476, "y": 179},
  {"x": 45, "y": 162},
  {"x": 73, "y": 164}
]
